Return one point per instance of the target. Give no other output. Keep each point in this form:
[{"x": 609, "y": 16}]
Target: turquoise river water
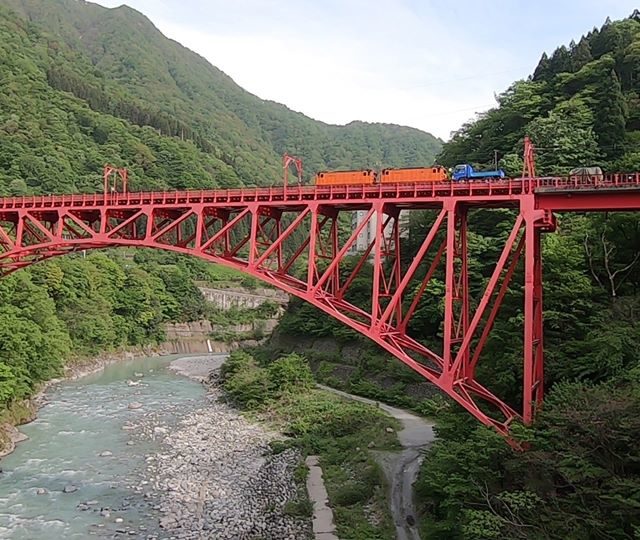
[{"x": 81, "y": 420}]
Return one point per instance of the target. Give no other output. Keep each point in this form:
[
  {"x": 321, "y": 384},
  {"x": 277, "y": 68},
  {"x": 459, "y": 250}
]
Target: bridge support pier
[{"x": 533, "y": 367}]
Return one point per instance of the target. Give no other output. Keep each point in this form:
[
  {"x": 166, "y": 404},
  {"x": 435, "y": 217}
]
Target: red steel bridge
[{"x": 290, "y": 237}]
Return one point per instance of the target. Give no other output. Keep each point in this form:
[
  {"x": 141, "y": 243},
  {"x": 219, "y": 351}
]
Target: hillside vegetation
[
  {"x": 342, "y": 433},
  {"x": 82, "y": 85},
  {"x": 580, "y": 479},
  {"x": 581, "y": 106}
]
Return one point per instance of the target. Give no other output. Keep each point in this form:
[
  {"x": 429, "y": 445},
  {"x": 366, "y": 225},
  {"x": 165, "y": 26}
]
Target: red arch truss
[{"x": 295, "y": 240}]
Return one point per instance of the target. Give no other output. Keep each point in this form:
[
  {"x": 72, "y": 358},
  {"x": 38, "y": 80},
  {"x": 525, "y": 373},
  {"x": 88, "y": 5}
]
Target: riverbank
[
  {"x": 215, "y": 475},
  {"x": 341, "y": 433},
  {"x": 139, "y": 451},
  {"x": 25, "y": 411}
]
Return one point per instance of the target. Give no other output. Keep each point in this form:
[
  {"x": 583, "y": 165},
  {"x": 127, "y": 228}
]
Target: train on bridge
[
  {"x": 417, "y": 175},
  {"x": 436, "y": 173}
]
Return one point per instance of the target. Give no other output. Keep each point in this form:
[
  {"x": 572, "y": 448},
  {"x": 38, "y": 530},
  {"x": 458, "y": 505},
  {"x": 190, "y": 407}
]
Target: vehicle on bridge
[
  {"x": 467, "y": 172},
  {"x": 437, "y": 173},
  {"x": 343, "y": 178},
  {"x": 587, "y": 174},
  {"x": 410, "y": 175}
]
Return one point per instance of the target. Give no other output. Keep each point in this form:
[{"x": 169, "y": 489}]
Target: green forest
[
  {"x": 581, "y": 477},
  {"x": 73, "y": 98}
]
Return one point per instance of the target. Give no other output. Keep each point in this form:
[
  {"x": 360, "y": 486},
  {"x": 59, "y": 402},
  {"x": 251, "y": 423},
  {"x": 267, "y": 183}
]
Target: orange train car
[
  {"x": 414, "y": 175},
  {"x": 342, "y": 178}
]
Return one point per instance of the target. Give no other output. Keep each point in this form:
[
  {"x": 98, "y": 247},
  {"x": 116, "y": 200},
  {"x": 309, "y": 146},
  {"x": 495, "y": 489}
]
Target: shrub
[
  {"x": 290, "y": 374},
  {"x": 299, "y": 508},
  {"x": 245, "y": 382},
  {"x": 351, "y": 493},
  {"x": 236, "y": 362}
]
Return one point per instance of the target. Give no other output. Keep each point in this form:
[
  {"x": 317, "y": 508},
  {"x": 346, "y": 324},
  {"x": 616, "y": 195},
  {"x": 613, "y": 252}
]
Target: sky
[{"x": 429, "y": 64}]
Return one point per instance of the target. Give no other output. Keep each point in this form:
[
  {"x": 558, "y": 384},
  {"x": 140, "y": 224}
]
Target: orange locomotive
[
  {"x": 415, "y": 176},
  {"x": 418, "y": 175},
  {"x": 342, "y": 178}
]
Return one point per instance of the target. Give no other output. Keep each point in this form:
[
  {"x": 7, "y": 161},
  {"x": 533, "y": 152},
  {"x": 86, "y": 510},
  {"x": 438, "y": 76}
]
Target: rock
[
  {"x": 389, "y": 430},
  {"x": 70, "y": 488},
  {"x": 130, "y": 443},
  {"x": 371, "y": 445},
  {"x": 167, "y": 522},
  {"x": 41, "y": 491},
  {"x": 133, "y": 383},
  {"x": 137, "y": 374},
  {"x": 119, "y": 520},
  {"x": 135, "y": 405},
  {"x": 214, "y": 477},
  {"x": 106, "y": 453}
]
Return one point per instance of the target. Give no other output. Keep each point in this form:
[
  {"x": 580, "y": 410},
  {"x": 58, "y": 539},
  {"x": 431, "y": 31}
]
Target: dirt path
[{"x": 401, "y": 468}]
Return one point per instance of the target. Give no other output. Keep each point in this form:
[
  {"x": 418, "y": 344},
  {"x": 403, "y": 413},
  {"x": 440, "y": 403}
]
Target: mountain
[
  {"x": 83, "y": 85},
  {"x": 581, "y": 106}
]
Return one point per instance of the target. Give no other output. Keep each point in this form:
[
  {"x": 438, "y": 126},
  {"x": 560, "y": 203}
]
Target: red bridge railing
[{"x": 292, "y": 194}]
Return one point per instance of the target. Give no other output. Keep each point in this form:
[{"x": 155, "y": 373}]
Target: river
[
  {"x": 141, "y": 451},
  {"x": 78, "y": 443}
]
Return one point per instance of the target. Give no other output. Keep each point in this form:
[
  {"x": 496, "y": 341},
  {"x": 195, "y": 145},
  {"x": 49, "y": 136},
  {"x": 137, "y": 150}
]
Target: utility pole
[{"x": 495, "y": 160}]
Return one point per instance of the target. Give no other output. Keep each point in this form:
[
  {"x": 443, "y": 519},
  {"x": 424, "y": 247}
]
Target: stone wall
[
  {"x": 243, "y": 298},
  {"x": 203, "y": 329},
  {"x": 196, "y": 336}
]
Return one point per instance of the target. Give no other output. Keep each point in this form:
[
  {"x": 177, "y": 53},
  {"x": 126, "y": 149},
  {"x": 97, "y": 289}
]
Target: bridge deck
[{"x": 413, "y": 195}]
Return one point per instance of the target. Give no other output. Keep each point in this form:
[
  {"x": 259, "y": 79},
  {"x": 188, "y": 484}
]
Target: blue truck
[{"x": 466, "y": 172}]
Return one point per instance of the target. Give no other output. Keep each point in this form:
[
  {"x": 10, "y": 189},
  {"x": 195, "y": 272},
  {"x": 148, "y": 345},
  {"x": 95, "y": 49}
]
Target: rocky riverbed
[
  {"x": 142, "y": 452},
  {"x": 215, "y": 476}
]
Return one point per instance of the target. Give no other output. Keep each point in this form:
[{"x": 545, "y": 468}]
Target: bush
[
  {"x": 245, "y": 382},
  {"x": 279, "y": 446},
  {"x": 351, "y": 493},
  {"x": 289, "y": 374},
  {"x": 299, "y": 508},
  {"x": 237, "y": 361}
]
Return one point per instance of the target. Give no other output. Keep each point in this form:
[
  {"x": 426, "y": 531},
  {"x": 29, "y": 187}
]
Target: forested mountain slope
[
  {"x": 580, "y": 476},
  {"x": 82, "y": 85}
]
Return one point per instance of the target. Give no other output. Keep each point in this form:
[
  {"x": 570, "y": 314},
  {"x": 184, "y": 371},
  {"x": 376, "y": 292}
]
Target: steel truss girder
[{"x": 298, "y": 249}]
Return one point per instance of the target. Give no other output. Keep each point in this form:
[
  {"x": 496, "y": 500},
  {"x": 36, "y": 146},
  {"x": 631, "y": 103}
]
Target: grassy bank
[{"x": 342, "y": 433}]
